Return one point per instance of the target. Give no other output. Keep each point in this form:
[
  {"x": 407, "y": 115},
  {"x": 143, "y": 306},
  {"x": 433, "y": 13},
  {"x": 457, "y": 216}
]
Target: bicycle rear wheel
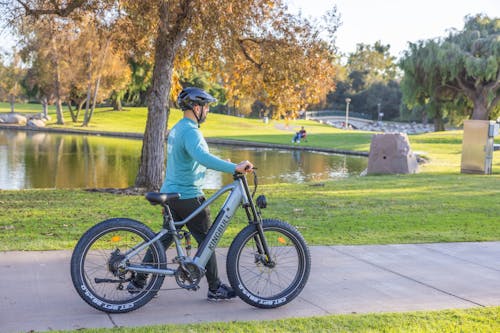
[
  {"x": 95, "y": 270},
  {"x": 266, "y": 284}
]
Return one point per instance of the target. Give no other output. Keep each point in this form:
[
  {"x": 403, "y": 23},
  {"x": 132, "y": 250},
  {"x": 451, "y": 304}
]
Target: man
[
  {"x": 300, "y": 135},
  {"x": 188, "y": 158}
]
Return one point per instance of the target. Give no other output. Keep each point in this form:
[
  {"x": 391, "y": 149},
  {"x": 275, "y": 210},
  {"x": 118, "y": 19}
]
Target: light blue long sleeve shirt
[{"x": 188, "y": 158}]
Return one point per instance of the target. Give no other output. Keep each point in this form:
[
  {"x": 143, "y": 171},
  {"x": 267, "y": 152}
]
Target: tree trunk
[
  {"x": 118, "y": 104},
  {"x": 480, "y": 111},
  {"x": 171, "y": 31},
  {"x": 94, "y": 100},
  {"x": 97, "y": 83},
  {"x": 12, "y": 100},
  {"x": 438, "y": 124},
  {"x": 80, "y": 106},
  {"x": 87, "y": 103},
  {"x": 89, "y": 89},
  {"x": 57, "y": 79},
  {"x": 152, "y": 165},
  {"x": 438, "y": 121},
  {"x": 45, "y": 107},
  {"x": 425, "y": 119},
  {"x": 74, "y": 117},
  {"x": 117, "y": 101},
  {"x": 59, "y": 111}
]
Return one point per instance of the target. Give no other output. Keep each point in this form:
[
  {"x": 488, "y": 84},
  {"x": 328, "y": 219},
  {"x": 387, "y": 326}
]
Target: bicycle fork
[
  {"x": 254, "y": 217},
  {"x": 264, "y": 256}
]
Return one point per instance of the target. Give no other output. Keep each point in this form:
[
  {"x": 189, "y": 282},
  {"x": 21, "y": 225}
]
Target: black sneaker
[
  {"x": 223, "y": 292},
  {"x": 135, "y": 286}
]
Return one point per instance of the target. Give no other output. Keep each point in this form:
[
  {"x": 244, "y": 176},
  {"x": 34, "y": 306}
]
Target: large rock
[
  {"x": 13, "y": 118},
  {"x": 39, "y": 116},
  {"x": 390, "y": 153},
  {"x": 35, "y": 123}
]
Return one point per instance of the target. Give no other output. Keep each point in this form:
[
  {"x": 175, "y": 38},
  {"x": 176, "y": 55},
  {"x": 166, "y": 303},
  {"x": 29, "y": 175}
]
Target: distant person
[{"x": 300, "y": 135}]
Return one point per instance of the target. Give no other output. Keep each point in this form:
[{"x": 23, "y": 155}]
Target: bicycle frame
[{"x": 239, "y": 195}]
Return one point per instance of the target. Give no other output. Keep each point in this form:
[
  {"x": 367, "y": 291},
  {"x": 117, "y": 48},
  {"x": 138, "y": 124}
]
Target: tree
[
  {"x": 370, "y": 79},
  {"x": 370, "y": 64},
  {"x": 107, "y": 70},
  {"x": 46, "y": 49},
  {"x": 221, "y": 32},
  {"x": 383, "y": 97},
  {"x": 210, "y": 33},
  {"x": 72, "y": 60},
  {"x": 449, "y": 75},
  {"x": 286, "y": 69},
  {"x": 419, "y": 85},
  {"x": 140, "y": 81},
  {"x": 12, "y": 75}
]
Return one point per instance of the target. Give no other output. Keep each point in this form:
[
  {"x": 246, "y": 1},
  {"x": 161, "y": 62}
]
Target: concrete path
[{"x": 37, "y": 293}]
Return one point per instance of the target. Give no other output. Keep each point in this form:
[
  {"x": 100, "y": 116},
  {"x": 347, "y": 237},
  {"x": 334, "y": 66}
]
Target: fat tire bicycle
[{"x": 268, "y": 262}]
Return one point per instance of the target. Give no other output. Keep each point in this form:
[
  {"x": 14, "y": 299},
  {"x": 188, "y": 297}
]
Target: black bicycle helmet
[{"x": 191, "y": 96}]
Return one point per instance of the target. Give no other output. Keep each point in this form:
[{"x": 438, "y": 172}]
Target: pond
[{"x": 47, "y": 160}]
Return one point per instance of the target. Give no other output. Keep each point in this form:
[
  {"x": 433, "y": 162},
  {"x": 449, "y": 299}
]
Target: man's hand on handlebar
[{"x": 244, "y": 167}]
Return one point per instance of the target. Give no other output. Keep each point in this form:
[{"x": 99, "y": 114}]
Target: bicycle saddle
[{"x": 156, "y": 198}]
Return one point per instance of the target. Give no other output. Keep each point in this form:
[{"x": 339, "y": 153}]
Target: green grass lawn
[
  {"x": 437, "y": 205},
  {"x": 448, "y": 321},
  {"x": 360, "y": 210}
]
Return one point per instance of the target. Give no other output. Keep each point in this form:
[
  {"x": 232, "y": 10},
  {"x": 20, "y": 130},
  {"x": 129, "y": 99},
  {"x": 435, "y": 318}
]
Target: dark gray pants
[{"x": 198, "y": 227}]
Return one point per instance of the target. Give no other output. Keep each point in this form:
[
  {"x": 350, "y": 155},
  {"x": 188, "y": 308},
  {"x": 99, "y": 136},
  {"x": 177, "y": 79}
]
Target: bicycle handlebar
[{"x": 255, "y": 178}]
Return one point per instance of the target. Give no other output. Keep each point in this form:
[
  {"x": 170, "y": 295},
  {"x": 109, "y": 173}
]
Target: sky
[{"x": 395, "y": 22}]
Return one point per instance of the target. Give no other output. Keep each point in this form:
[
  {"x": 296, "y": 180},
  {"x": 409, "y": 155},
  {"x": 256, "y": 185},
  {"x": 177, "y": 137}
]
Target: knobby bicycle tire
[
  {"x": 274, "y": 284},
  {"x": 91, "y": 265}
]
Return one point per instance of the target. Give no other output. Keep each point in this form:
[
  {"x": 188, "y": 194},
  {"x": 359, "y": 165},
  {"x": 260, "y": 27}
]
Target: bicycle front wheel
[
  {"x": 97, "y": 274},
  {"x": 269, "y": 283}
]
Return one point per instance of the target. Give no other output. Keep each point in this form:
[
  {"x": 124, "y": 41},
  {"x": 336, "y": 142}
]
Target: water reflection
[{"x": 43, "y": 160}]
